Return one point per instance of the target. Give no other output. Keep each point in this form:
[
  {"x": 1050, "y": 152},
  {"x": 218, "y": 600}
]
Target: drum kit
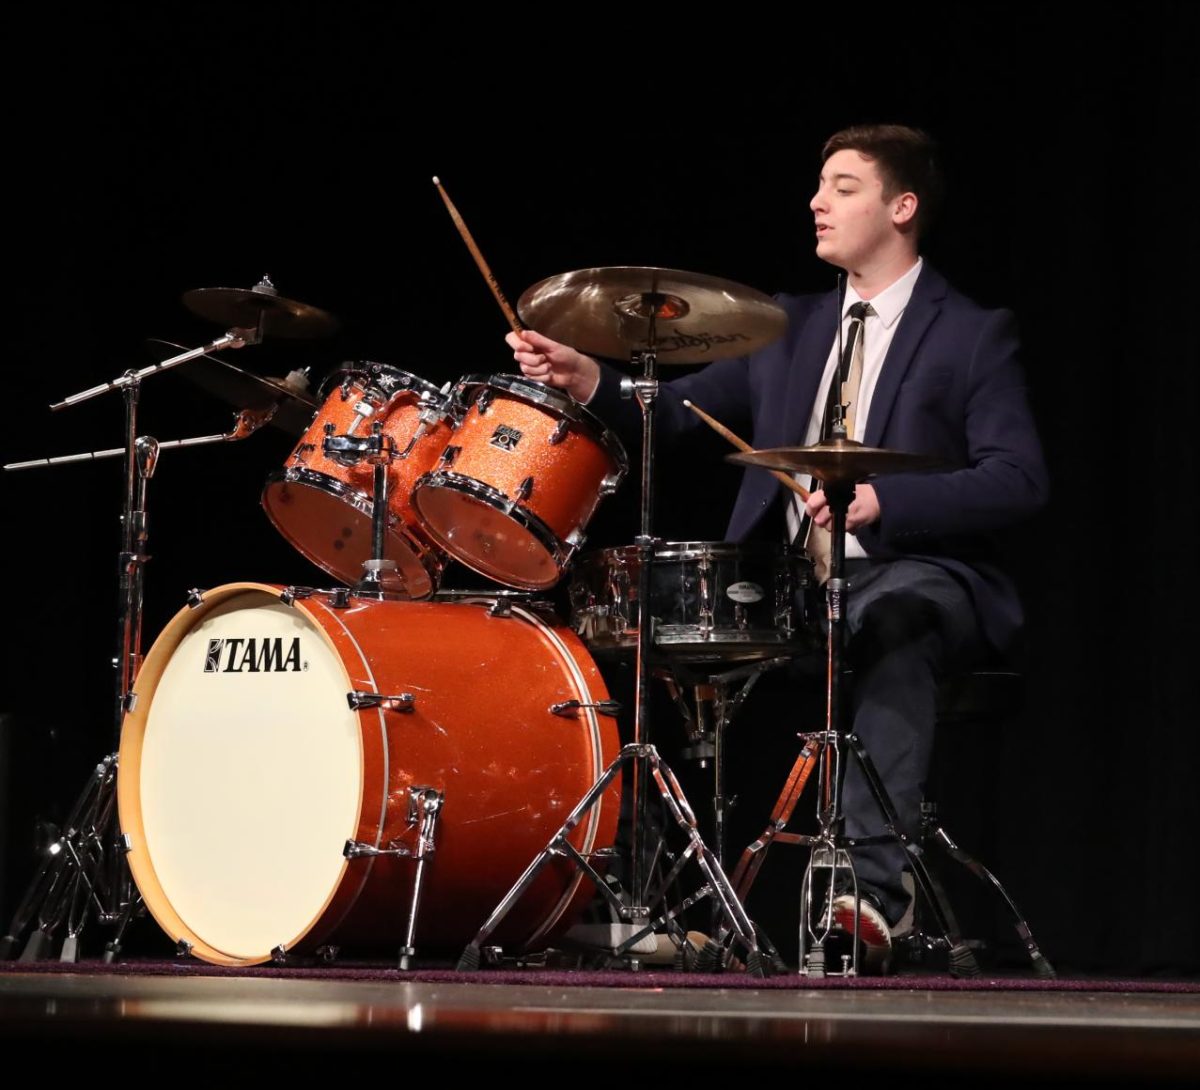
[{"x": 379, "y": 763}]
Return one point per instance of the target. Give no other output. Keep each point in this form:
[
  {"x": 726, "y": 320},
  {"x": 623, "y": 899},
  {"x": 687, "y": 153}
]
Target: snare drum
[
  {"x": 254, "y": 753},
  {"x": 519, "y": 482},
  {"x": 712, "y": 601},
  {"x": 324, "y": 506}
]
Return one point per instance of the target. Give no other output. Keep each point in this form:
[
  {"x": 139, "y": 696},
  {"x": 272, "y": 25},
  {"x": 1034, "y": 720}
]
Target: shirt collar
[{"x": 889, "y": 304}]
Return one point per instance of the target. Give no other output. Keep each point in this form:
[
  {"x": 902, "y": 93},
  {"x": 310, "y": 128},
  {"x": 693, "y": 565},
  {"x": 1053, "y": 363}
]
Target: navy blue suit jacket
[{"x": 951, "y": 386}]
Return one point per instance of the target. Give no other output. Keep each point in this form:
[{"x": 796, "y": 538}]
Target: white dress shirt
[{"x": 879, "y": 329}]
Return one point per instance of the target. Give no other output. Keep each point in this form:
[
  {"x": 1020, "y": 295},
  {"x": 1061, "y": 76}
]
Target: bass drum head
[{"x": 241, "y": 781}]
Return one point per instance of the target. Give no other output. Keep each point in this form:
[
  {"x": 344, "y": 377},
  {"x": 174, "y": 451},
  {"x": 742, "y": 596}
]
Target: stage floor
[{"x": 89, "y": 1020}]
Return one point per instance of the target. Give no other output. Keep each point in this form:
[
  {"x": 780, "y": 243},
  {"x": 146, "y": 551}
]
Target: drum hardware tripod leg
[
  {"x": 424, "y": 810},
  {"x": 717, "y": 885},
  {"x": 932, "y": 832},
  {"x": 73, "y": 878}
]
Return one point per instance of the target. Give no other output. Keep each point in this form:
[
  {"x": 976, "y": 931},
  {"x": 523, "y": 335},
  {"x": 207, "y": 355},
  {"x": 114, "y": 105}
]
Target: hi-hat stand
[
  {"x": 642, "y": 907},
  {"x": 839, "y": 463}
]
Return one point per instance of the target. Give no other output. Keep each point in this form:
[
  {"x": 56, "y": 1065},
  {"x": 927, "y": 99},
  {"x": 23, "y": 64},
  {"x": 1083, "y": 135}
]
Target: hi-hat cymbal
[
  {"x": 836, "y": 461},
  {"x": 697, "y": 318},
  {"x": 245, "y": 308},
  {"x": 243, "y": 389}
]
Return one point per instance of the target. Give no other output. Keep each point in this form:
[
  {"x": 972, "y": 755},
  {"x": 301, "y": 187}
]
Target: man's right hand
[{"x": 556, "y": 364}]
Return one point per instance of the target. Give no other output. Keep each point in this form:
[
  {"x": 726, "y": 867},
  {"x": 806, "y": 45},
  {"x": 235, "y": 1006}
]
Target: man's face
[{"x": 854, "y": 222}]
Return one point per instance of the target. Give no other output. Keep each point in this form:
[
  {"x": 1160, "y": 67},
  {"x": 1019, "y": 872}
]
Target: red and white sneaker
[{"x": 873, "y": 932}]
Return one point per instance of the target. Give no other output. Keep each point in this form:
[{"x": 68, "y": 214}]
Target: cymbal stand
[
  {"x": 640, "y": 902},
  {"x": 85, "y": 866}
]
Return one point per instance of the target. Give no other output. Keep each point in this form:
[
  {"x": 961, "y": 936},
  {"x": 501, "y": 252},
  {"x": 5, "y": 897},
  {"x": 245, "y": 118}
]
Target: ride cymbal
[{"x": 686, "y": 317}]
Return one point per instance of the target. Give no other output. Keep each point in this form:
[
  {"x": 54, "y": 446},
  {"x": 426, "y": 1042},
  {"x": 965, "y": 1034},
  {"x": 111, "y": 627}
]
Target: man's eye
[{"x": 845, "y": 192}]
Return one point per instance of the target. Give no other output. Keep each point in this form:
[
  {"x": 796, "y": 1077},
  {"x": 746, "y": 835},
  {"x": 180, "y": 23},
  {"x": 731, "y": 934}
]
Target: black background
[{"x": 149, "y": 154}]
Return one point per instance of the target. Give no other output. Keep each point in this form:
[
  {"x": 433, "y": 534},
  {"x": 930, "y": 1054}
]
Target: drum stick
[
  {"x": 741, "y": 444},
  {"x": 509, "y": 314}
]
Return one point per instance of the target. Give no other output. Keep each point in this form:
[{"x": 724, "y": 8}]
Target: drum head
[
  {"x": 330, "y": 524},
  {"x": 502, "y": 544},
  {"x": 244, "y": 778}
]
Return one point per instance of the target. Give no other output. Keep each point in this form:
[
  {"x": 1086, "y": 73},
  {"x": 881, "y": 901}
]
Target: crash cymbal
[
  {"x": 243, "y": 308},
  {"x": 697, "y": 318},
  {"x": 243, "y": 389},
  {"x": 838, "y": 460}
]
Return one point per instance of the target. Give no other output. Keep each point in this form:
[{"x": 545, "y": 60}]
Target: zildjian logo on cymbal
[{"x": 675, "y": 341}]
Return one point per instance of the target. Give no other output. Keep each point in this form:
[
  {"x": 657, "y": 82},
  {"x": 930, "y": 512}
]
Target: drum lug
[
  {"x": 501, "y": 607},
  {"x": 448, "y": 456},
  {"x": 483, "y": 401},
  {"x": 183, "y": 949},
  {"x": 129, "y": 702},
  {"x": 339, "y": 597},
  {"x": 399, "y": 702},
  {"x": 125, "y": 843},
  {"x": 610, "y": 483},
  {"x": 567, "y": 708},
  {"x": 195, "y": 598},
  {"x": 576, "y": 538},
  {"x": 279, "y": 955},
  {"x": 524, "y": 490},
  {"x": 559, "y": 433}
]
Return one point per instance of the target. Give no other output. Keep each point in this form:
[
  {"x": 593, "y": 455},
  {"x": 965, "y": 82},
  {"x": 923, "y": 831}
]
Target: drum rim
[
  {"x": 688, "y": 550},
  {"x": 539, "y": 394},
  {"x": 417, "y": 384}
]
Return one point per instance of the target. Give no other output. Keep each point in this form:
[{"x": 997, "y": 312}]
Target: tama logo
[{"x": 253, "y": 656}]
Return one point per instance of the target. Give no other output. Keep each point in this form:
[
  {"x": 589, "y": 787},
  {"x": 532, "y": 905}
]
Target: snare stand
[{"x": 640, "y": 903}]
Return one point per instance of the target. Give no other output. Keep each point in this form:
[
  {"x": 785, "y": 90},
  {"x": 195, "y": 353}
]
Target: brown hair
[{"x": 905, "y": 158}]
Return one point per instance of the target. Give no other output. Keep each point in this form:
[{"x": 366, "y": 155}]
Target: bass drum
[{"x": 245, "y": 769}]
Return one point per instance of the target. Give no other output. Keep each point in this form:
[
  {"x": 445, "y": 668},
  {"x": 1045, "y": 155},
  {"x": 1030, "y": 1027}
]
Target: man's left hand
[{"x": 864, "y": 508}]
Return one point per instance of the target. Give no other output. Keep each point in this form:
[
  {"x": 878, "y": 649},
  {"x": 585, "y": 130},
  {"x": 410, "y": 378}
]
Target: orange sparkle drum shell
[
  {"x": 324, "y": 507},
  {"x": 519, "y": 482},
  {"x": 244, "y": 771}
]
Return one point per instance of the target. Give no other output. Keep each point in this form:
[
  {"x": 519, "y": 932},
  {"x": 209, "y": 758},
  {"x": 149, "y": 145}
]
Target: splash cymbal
[{"x": 260, "y": 307}]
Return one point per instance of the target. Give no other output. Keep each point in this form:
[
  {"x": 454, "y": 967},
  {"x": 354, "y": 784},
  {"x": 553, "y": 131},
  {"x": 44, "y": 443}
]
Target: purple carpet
[{"x": 605, "y": 978}]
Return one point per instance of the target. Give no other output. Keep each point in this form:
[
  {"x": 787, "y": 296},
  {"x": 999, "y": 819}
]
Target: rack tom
[
  {"x": 324, "y": 505},
  {"x": 518, "y": 483}
]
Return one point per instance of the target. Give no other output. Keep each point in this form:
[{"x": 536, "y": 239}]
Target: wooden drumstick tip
[{"x": 436, "y": 180}]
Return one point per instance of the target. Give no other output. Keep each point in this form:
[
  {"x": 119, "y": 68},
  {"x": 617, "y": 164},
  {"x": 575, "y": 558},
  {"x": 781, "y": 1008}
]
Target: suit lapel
[{"x": 918, "y": 316}]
